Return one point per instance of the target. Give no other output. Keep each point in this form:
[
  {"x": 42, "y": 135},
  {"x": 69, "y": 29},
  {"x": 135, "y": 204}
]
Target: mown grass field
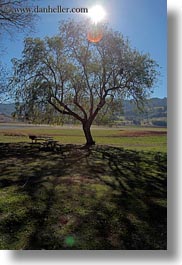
[
  {"x": 105, "y": 197},
  {"x": 136, "y": 138}
]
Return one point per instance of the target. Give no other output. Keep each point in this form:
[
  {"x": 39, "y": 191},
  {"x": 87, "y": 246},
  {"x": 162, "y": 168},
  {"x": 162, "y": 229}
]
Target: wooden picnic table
[
  {"x": 51, "y": 144},
  {"x": 46, "y": 142},
  {"x": 38, "y": 138}
]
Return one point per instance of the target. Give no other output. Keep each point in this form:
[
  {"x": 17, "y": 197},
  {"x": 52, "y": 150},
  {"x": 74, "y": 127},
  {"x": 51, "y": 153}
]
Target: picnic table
[
  {"x": 38, "y": 138},
  {"x": 51, "y": 144},
  {"x": 43, "y": 141}
]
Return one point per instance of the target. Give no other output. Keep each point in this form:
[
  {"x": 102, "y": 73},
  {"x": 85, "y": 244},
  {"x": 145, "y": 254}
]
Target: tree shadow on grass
[
  {"x": 74, "y": 198},
  {"x": 137, "y": 182}
]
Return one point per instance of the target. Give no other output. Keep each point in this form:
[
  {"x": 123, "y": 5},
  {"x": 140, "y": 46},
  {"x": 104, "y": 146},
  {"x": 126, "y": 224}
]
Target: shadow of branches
[{"x": 102, "y": 198}]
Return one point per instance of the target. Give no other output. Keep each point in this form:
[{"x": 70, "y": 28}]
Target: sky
[{"x": 144, "y": 22}]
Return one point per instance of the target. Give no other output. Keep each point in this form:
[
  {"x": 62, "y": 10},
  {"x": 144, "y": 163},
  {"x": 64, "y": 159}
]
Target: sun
[
  {"x": 95, "y": 30},
  {"x": 97, "y": 13}
]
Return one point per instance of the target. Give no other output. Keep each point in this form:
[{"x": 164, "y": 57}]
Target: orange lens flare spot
[
  {"x": 92, "y": 37},
  {"x": 95, "y": 34}
]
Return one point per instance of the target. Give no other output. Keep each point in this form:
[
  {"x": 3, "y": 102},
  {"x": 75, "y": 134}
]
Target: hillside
[
  {"x": 154, "y": 113},
  {"x": 5, "y": 112},
  {"x": 7, "y": 109},
  {"x": 4, "y": 118}
]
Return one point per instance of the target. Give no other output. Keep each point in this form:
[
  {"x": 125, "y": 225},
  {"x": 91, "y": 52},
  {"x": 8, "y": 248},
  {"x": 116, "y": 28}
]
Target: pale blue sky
[{"x": 144, "y": 22}]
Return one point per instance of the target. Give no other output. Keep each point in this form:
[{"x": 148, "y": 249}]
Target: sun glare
[
  {"x": 95, "y": 31},
  {"x": 97, "y": 14}
]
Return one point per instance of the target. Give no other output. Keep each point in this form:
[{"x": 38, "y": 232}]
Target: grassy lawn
[
  {"x": 74, "y": 198},
  {"x": 135, "y": 138}
]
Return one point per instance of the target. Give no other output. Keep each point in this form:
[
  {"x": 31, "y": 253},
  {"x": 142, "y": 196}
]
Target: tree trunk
[{"x": 88, "y": 135}]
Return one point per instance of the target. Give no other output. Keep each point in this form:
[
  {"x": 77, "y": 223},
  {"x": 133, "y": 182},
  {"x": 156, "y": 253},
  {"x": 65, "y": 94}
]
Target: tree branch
[
  {"x": 80, "y": 107},
  {"x": 59, "y": 110},
  {"x": 72, "y": 113}
]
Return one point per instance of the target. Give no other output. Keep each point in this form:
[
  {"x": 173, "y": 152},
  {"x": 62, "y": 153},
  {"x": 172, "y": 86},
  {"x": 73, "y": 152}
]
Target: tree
[
  {"x": 13, "y": 17},
  {"x": 77, "y": 77}
]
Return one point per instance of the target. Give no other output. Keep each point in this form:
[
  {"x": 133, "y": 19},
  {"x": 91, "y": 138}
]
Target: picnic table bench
[
  {"x": 43, "y": 141},
  {"x": 38, "y": 138}
]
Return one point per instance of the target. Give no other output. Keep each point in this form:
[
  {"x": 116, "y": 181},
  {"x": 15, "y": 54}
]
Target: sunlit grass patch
[
  {"x": 15, "y": 225},
  {"x": 135, "y": 138}
]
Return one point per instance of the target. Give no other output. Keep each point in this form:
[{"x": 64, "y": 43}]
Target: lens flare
[
  {"x": 69, "y": 241},
  {"x": 95, "y": 33},
  {"x": 97, "y": 14}
]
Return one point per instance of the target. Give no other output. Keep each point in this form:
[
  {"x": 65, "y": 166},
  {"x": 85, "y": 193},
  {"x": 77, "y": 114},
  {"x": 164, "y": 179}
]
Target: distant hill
[
  {"x": 155, "y": 113},
  {"x": 153, "y": 107},
  {"x": 4, "y": 118},
  {"x": 7, "y": 109}
]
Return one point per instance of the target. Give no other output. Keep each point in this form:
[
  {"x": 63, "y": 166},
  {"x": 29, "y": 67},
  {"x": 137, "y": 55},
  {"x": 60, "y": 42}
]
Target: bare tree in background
[{"x": 13, "y": 17}]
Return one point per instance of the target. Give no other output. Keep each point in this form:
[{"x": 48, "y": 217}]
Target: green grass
[
  {"x": 106, "y": 136},
  {"x": 74, "y": 198}
]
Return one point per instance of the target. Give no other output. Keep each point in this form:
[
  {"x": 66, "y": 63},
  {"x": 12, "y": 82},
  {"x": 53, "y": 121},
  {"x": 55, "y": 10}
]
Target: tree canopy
[{"x": 77, "y": 77}]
